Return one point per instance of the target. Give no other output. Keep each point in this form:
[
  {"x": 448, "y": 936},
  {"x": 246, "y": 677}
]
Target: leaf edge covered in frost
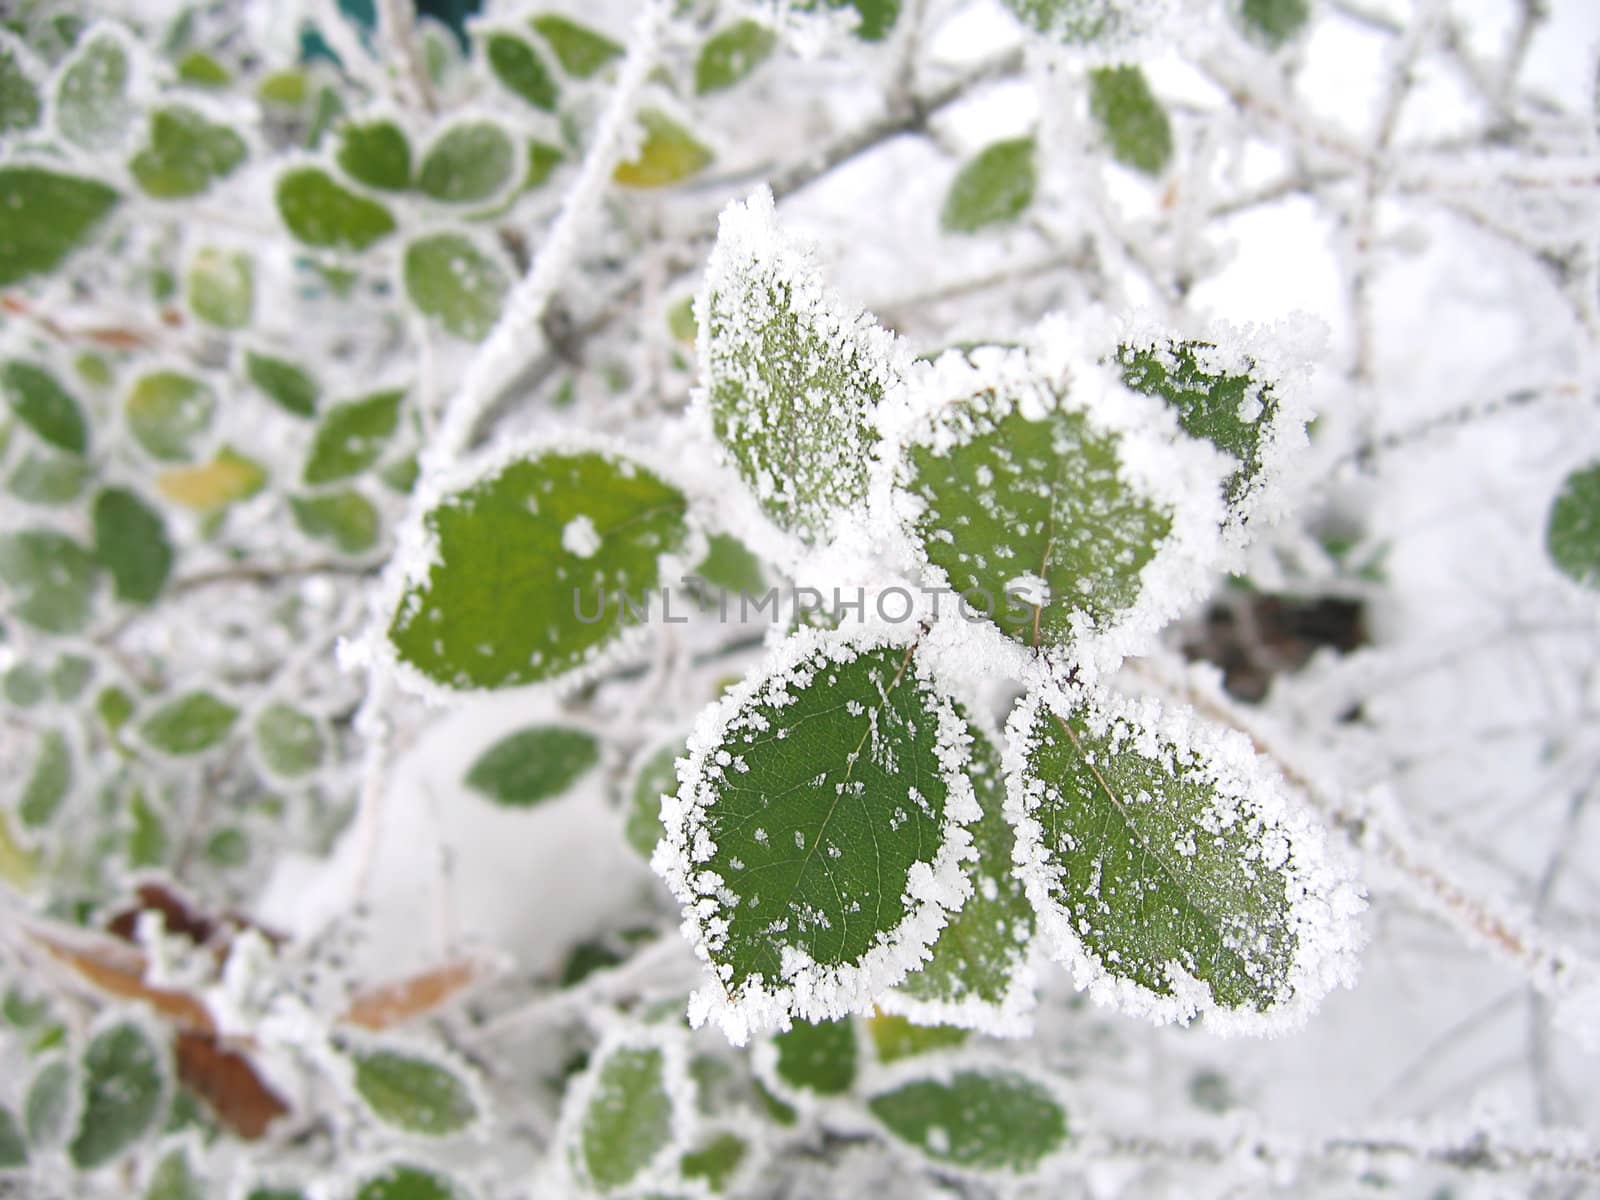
[
  {"x": 809, "y": 991},
  {"x": 1323, "y": 896}
]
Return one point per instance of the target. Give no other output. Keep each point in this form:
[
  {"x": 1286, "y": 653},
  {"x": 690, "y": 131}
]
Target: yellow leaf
[
  {"x": 228, "y": 477},
  {"x": 17, "y": 864},
  {"x": 669, "y": 154}
]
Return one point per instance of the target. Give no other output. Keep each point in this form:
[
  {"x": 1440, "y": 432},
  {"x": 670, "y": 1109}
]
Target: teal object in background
[{"x": 363, "y": 14}]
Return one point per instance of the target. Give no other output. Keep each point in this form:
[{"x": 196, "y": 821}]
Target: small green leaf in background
[
  {"x": 131, "y": 543},
  {"x": 320, "y": 212},
  {"x": 227, "y": 478},
  {"x": 186, "y": 154},
  {"x": 19, "y": 97},
  {"x": 47, "y": 786},
  {"x": 1275, "y": 21},
  {"x": 39, "y": 401},
  {"x": 874, "y": 17},
  {"x": 287, "y": 385},
  {"x": 715, "y": 1160},
  {"x": 628, "y": 1120},
  {"x": 580, "y": 50},
  {"x": 221, "y": 287},
  {"x": 202, "y": 70},
  {"x": 375, "y": 153},
  {"x": 656, "y": 775},
  {"x": 167, "y": 411},
  {"x": 352, "y": 435},
  {"x": 1132, "y": 119},
  {"x": 894, "y": 1038},
  {"x": 531, "y": 765},
  {"x": 290, "y": 741},
  {"x": 24, "y": 685},
  {"x": 70, "y": 676},
  {"x": 92, "y": 109},
  {"x": 469, "y": 163},
  {"x": 18, "y": 864},
  {"x": 731, "y": 54},
  {"x": 48, "y": 215},
  {"x": 51, "y": 579},
  {"x": 48, "y": 1105},
  {"x": 1072, "y": 21},
  {"x": 287, "y": 88},
  {"x": 1572, "y": 532},
  {"x": 192, "y": 723},
  {"x": 413, "y": 1093},
  {"x": 46, "y": 478},
  {"x": 13, "y": 1149},
  {"x": 175, "y": 1179},
  {"x": 993, "y": 188},
  {"x": 985, "y": 1120},
  {"x": 147, "y": 837},
  {"x": 451, "y": 280},
  {"x": 819, "y": 1058},
  {"x": 124, "y": 1078},
  {"x": 114, "y": 707},
  {"x": 404, "y": 1182},
  {"x": 345, "y": 519},
  {"x": 517, "y": 65},
  {"x": 668, "y": 154}
]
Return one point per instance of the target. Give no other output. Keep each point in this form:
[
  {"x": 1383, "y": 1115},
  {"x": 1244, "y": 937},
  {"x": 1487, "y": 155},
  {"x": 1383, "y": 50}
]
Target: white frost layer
[{"x": 1325, "y": 900}]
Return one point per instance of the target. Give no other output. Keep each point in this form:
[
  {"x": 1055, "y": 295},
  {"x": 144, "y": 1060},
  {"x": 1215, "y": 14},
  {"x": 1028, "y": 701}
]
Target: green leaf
[
  {"x": 352, "y": 435},
  {"x": 1572, "y": 531},
  {"x": 48, "y": 1105},
  {"x": 221, "y": 287},
  {"x": 167, "y": 411},
  {"x": 291, "y": 742},
  {"x": 227, "y": 478},
  {"x": 320, "y": 212},
  {"x": 20, "y": 105},
  {"x": 531, "y": 765},
  {"x": 51, "y": 579},
  {"x": 114, "y": 707},
  {"x": 175, "y": 1179},
  {"x": 375, "y": 153},
  {"x": 124, "y": 1091},
  {"x": 810, "y": 866},
  {"x": 229, "y": 847},
  {"x": 24, "y": 685},
  {"x": 345, "y": 519},
  {"x": 1275, "y": 21},
  {"x": 895, "y": 1037},
  {"x": 526, "y": 556},
  {"x": 656, "y": 776},
  {"x": 412, "y": 1093},
  {"x": 516, "y": 64},
  {"x": 44, "y": 406},
  {"x": 404, "y": 1182},
  {"x": 48, "y": 215},
  {"x": 261, "y": 1192},
  {"x": 13, "y": 1149},
  {"x": 874, "y": 17},
  {"x": 49, "y": 783},
  {"x": 729, "y": 565},
  {"x": 92, "y": 108},
  {"x": 793, "y": 376},
  {"x": 70, "y": 676},
  {"x": 191, "y": 724},
  {"x": 668, "y": 154},
  {"x": 286, "y": 88},
  {"x": 47, "y": 478},
  {"x": 451, "y": 280},
  {"x": 715, "y": 1160},
  {"x": 1132, "y": 119},
  {"x": 131, "y": 543},
  {"x": 147, "y": 838},
  {"x": 1078, "y": 21},
  {"x": 988, "y": 1119},
  {"x": 818, "y": 1058},
  {"x": 580, "y": 50},
  {"x": 18, "y": 865},
  {"x": 468, "y": 163},
  {"x": 992, "y": 188},
  {"x": 731, "y": 54},
  {"x": 626, "y": 1122},
  {"x": 202, "y": 70},
  {"x": 290, "y": 387},
  {"x": 185, "y": 154}
]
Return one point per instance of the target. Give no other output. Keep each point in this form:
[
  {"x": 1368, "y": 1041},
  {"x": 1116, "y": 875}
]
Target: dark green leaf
[
  {"x": 580, "y": 50},
  {"x": 288, "y": 386},
  {"x": 469, "y": 163},
  {"x": 352, "y": 435},
  {"x": 404, "y": 1182},
  {"x": 627, "y": 1122},
  {"x": 291, "y": 742},
  {"x": 50, "y": 577},
  {"x": 193, "y": 723},
  {"x": 1275, "y": 21},
  {"x": 1075, "y": 21},
  {"x": 131, "y": 543},
  {"x": 517, "y": 65},
  {"x": 320, "y": 212},
  {"x": 531, "y": 765},
  {"x": 147, "y": 835},
  {"x": 39, "y": 401},
  {"x": 451, "y": 280},
  {"x": 345, "y": 519},
  {"x": 47, "y": 786},
  {"x": 993, "y": 188},
  {"x": 730, "y": 566},
  {"x": 715, "y": 1160},
  {"x": 656, "y": 775},
  {"x": 1572, "y": 532},
  {"x": 377, "y": 154},
  {"x": 731, "y": 54},
  {"x": 983, "y": 1120},
  {"x": 412, "y": 1093},
  {"x": 874, "y": 17},
  {"x": 124, "y": 1084},
  {"x": 48, "y": 216},
  {"x": 819, "y": 1058},
  {"x": 1132, "y": 119},
  {"x": 13, "y": 1149},
  {"x": 186, "y": 154},
  {"x": 19, "y": 96}
]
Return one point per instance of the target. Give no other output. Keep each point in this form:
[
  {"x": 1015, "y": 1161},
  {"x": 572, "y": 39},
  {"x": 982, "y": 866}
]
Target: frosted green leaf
[
  {"x": 1081, "y": 21},
  {"x": 167, "y": 412},
  {"x": 47, "y": 478},
  {"x": 18, "y": 865},
  {"x": 451, "y": 280},
  {"x": 48, "y": 215},
  {"x": 202, "y": 70},
  {"x": 1275, "y": 21},
  {"x": 627, "y": 1119},
  {"x": 1572, "y": 531},
  {"x": 375, "y": 153},
  {"x": 290, "y": 741},
  {"x": 793, "y": 376},
  {"x": 731, "y": 54},
  {"x": 530, "y": 562},
  {"x": 668, "y": 154},
  {"x": 517, "y": 65},
  {"x": 1132, "y": 119},
  {"x": 531, "y": 765},
  {"x": 228, "y": 847},
  {"x": 817, "y": 833},
  {"x": 50, "y": 580},
  {"x": 70, "y": 676},
  {"x": 729, "y": 565},
  {"x": 147, "y": 837},
  {"x": 992, "y": 188},
  {"x": 221, "y": 287},
  {"x": 404, "y": 1182},
  {"x": 352, "y": 435},
  {"x": 92, "y": 109},
  {"x": 715, "y": 1160},
  {"x": 289, "y": 1193},
  {"x": 48, "y": 784},
  {"x": 24, "y": 685},
  {"x": 175, "y": 1179},
  {"x": 581, "y": 51},
  {"x": 656, "y": 776},
  {"x": 320, "y": 212},
  {"x": 287, "y": 385},
  {"x": 345, "y": 519},
  {"x": 987, "y": 1119},
  {"x": 468, "y": 163},
  {"x": 48, "y": 1104},
  {"x": 819, "y": 1057},
  {"x": 874, "y": 17},
  {"x": 131, "y": 543},
  {"x": 191, "y": 724},
  {"x": 894, "y": 1037},
  {"x": 412, "y": 1093},
  {"x": 19, "y": 97},
  {"x": 39, "y": 401},
  {"x": 185, "y": 154},
  {"x": 114, "y": 706},
  {"x": 13, "y": 1149},
  {"x": 124, "y": 1085}
]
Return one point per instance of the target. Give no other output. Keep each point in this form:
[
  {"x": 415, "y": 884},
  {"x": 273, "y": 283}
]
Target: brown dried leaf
[
  {"x": 228, "y": 1083},
  {"x": 394, "y": 1003}
]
